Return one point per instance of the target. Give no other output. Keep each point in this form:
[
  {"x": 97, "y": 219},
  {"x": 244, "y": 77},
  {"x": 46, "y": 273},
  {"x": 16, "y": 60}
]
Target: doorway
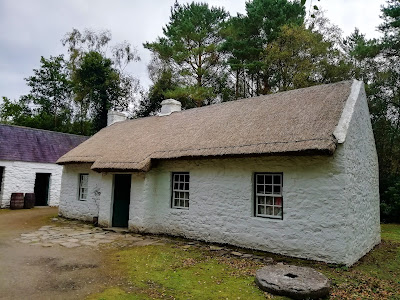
[
  {"x": 122, "y": 199},
  {"x": 42, "y": 184},
  {"x": 1, "y": 178}
]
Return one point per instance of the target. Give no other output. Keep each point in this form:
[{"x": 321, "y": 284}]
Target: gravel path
[{"x": 45, "y": 257}]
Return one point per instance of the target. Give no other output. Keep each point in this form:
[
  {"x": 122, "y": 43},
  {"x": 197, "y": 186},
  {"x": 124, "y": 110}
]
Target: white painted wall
[
  {"x": 70, "y": 205},
  {"x": 221, "y": 205},
  {"x": 331, "y": 203},
  {"x": 19, "y": 177},
  {"x": 362, "y": 181}
]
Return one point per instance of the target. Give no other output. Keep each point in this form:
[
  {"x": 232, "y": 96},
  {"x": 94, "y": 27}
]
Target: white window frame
[
  {"x": 268, "y": 198},
  {"x": 83, "y": 188},
  {"x": 180, "y": 182}
]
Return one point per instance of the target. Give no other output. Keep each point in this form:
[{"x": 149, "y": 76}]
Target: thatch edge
[
  {"x": 145, "y": 166},
  {"x": 342, "y": 127}
]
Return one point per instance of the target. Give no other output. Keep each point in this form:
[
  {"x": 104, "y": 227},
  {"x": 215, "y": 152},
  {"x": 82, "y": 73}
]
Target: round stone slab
[{"x": 292, "y": 281}]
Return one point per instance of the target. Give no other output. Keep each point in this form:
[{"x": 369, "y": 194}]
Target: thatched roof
[
  {"x": 35, "y": 145},
  {"x": 297, "y": 122}
]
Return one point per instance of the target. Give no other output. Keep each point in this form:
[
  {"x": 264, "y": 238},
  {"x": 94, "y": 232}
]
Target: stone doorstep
[{"x": 117, "y": 229}]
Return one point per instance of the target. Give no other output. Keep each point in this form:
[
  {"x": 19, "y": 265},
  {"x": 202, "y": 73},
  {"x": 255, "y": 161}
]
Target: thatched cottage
[
  {"x": 294, "y": 173},
  {"x": 28, "y": 162}
]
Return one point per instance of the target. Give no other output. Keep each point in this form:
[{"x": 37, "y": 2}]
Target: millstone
[{"x": 292, "y": 281}]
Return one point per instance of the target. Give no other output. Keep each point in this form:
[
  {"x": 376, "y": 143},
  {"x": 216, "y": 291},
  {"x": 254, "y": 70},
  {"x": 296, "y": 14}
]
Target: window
[
  {"x": 83, "y": 187},
  {"x": 180, "y": 190},
  {"x": 268, "y": 195}
]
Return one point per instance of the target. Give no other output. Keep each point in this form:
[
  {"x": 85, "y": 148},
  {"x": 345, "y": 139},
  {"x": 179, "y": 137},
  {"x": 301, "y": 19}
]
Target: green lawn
[{"x": 174, "y": 272}]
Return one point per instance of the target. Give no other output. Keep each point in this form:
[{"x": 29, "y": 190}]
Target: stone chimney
[
  {"x": 114, "y": 117},
  {"x": 168, "y": 106}
]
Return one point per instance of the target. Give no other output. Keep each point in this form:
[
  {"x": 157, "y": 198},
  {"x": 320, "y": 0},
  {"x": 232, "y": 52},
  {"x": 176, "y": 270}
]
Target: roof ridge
[
  {"x": 238, "y": 100},
  {"x": 39, "y": 129}
]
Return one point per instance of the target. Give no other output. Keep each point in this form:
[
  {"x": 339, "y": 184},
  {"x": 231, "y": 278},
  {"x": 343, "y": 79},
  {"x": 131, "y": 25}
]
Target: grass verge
[{"x": 175, "y": 271}]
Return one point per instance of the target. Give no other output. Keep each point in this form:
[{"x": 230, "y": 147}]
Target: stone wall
[
  {"x": 19, "y": 177},
  {"x": 362, "y": 181},
  {"x": 70, "y": 205}
]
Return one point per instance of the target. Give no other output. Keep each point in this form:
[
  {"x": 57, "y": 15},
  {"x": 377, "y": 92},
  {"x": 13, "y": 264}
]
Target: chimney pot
[
  {"x": 114, "y": 117},
  {"x": 168, "y": 106}
]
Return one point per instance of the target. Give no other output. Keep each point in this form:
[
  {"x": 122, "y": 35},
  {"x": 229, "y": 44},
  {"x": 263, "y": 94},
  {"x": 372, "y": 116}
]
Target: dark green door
[
  {"x": 41, "y": 189},
  {"x": 122, "y": 198}
]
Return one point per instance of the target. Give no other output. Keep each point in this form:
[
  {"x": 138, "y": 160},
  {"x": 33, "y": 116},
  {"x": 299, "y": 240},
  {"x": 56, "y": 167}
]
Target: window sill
[{"x": 269, "y": 217}]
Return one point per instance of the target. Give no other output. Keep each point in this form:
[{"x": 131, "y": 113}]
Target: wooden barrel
[
  {"x": 17, "y": 201},
  {"x": 29, "y": 200}
]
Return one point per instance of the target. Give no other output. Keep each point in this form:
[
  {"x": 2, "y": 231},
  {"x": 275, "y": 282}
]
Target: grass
[{"x": 173, "y": 271}]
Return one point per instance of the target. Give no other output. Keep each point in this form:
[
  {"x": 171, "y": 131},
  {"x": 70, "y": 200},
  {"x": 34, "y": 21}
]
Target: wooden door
[{"x": 122, "y": 199}]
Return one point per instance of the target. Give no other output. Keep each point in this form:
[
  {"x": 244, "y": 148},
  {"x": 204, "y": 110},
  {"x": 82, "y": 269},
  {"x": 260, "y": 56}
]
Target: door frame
[
  {"x": 113, "y": 200},
  {"x": 2, "y": 172},
  {"x": 48, "y": 186}
]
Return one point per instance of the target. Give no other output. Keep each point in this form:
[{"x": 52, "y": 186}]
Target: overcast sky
[{"x": 30, "y": 29}]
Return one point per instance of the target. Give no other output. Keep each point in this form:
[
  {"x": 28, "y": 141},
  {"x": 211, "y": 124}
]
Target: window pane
[
  {"x": 176, "y": 202},
  {"x": 187, "y": 178},
  {"x": 260, "y": 179},
  {"x": 187, "y": 203},
  {"x": 84, "y": 180},
  {"x": 278, "y": 201},
  {"x": 277, "y": 189},
  {"x": 186, "y": 186},
  {"x": 261, "y": 200},
  {"x": 268, "y": 179},
  {"x": 278, "y": 211},
  {"x": 181, "y": 203},
  {"x": 176, "y": 177},
  {"x": 269, "y": 210},
  {"x": 175, "y": 186},
  {"x": 261, "y": 210},
  {"x": 270, "y": 200},
  {"x": 268, "y": 189},
  {"x": 187, "y": 195},
  {"x": 181, "y": 186},
  {"x": 260, "y": 189},
  {"x": 277, "y": 179}
]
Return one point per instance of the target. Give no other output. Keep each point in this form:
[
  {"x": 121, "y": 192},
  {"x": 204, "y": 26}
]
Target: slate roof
[
  {"x": 297, "y": 122},
  {"x": 35, "y": 145}
]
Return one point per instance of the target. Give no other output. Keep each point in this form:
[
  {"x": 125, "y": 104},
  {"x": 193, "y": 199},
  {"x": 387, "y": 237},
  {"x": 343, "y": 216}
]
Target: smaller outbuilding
[{"x": 27, "y": 162}]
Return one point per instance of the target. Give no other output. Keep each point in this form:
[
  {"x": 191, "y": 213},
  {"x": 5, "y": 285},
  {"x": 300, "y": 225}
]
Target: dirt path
[{"x": 35, "y": 272}]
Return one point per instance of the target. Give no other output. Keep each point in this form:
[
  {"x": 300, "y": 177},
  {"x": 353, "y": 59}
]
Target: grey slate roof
[{"x": 35, "y": 145}]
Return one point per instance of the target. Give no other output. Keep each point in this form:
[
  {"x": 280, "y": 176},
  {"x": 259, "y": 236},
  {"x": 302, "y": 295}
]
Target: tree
[
  {"x": 89, "y": 56},
  {"x": 15, "y": 112},
  {"x": 299, "y": 58},
  {"x": 51, "y": 90},
  {"x": 49, "y": 102},
  {"x": 248, "y": 36},
  {"x": 190, "y": 47},
  {"x": 377, "y": 63},
  {"x": 97, "y": 85}
]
